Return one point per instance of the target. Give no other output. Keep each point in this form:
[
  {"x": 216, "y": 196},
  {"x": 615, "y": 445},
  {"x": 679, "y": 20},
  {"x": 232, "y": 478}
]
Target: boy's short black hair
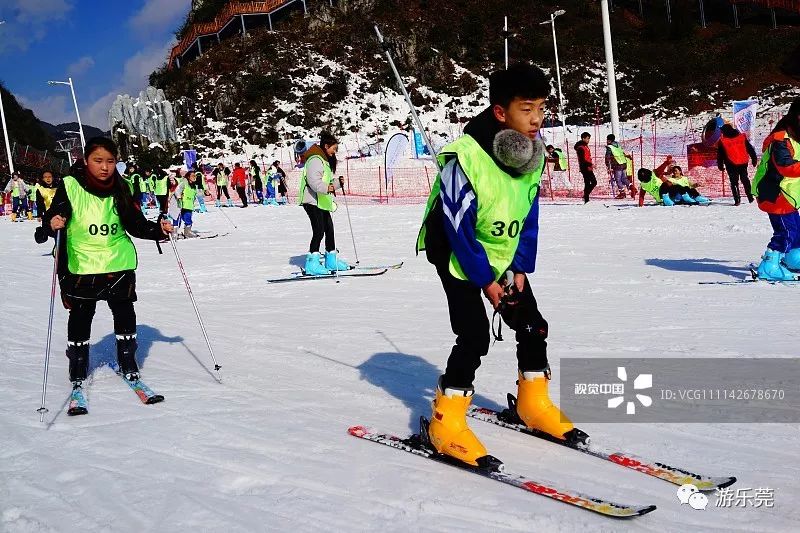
[
  {"x": 611, "y": 137},
  {"x": 549, "y": 147},
  {"x": 644, "y": 175},
  {"x": 519, "y": 81},
  {"x": 585, "y": 134}
]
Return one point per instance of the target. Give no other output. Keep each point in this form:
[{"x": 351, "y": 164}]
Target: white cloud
[
  {"x": 80, "y": 66},
  {"x": 41, "y": 10},
  {"x": 157, "y": 16},
  {"x": 55, "y": 109},
  {"x": 30, "y": 21},
  {"x": 134, "y": 78}
]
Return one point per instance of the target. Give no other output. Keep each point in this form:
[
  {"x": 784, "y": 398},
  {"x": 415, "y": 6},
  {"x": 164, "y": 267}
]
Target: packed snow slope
[{"x": 267, "y": 449}]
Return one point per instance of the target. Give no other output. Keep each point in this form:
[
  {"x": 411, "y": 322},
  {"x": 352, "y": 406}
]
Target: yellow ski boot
[
  {"x": 448, "y": 430},
  {"x": 535, "y": 408},
  {"x": 13, "y": 217}
]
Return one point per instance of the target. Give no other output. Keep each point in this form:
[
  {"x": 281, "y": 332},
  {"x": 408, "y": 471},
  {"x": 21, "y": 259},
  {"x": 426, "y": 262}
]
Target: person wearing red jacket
[
  {"x": 733, "y": 153},
  {"x": 777, "y": 187},
  {"x": 239, "y": 179},
  {"x": 586, "y": 165}
]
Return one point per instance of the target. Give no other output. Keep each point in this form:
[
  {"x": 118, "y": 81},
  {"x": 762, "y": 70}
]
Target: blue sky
[{"x": 109, "y": 47}]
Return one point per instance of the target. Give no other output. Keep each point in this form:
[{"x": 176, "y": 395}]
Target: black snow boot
[
  {"x": 78, "y": 355},
  {"x": 126, "y": 356}
]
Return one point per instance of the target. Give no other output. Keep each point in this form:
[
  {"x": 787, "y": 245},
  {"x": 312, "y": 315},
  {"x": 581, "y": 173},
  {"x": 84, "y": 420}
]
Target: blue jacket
[{"x": 459, "y": 205}]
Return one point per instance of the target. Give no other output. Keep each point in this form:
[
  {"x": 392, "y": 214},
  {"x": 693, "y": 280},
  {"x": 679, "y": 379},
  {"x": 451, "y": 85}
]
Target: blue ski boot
[
  {"x": 216, "y": 203},
  {"x": 332, "y": 262},
  {"x": 667, "y": 200},
  {"x": 702, "y": 200},
  {"x": 771, "y": 268},
  {"x": 688, "y": 199},
  {"x": 314, "y": 266},
  {"x": 230, "y": 202},
  {"x": 792, "y": 259}
]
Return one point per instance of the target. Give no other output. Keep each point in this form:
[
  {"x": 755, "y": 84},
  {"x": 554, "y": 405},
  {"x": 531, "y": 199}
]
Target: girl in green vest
[
  {"x": 19, "y": 191},
  {"x": 186, "y": 192},
  {"x": 688, "y": 191},
  {"x": 480, "y": 227},
  {"x": 95, "y": 211},
  {"x": 316, "y": 197}
]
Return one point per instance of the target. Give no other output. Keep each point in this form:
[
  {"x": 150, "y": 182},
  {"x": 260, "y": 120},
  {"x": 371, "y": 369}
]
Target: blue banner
[
  {"x": 189, "y": 158},
  {"x": 419, "y": 145}
]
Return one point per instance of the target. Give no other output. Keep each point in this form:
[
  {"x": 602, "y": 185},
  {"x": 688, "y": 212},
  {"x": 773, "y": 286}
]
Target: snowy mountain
[{"x": 326, "y": 69}]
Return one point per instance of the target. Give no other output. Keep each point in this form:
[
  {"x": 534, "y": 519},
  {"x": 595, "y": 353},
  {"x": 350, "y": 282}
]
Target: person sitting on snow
[{"x": 688, "y": 190}]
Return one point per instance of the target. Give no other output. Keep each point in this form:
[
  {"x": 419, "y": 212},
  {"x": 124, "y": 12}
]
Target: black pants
[
  {"x": 162, "y": 203},
  {"x": 321, "y": 225},
  {"x": 738, "y": 173},
  {"x": 223, "y": 189},
  {"x": 79, "y": 325},
  {"x": 242, "y": 195},
  {"x": 471, "y": 325},
  {"x": 589, "y": 183}
]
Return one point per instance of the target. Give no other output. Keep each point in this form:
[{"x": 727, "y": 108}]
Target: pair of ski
[
  {"x": 79, "y": 406},
  {"x": 419, "y": 444},
  {"x": 753, "y": 279},
  {"x": 354, "y": 272}
]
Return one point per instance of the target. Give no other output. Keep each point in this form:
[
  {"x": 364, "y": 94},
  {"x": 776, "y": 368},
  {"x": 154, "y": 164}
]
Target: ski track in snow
[{"x": 267, "y": 449}]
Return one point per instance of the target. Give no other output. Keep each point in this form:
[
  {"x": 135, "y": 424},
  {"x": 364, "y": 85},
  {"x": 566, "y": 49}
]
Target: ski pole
[
  {"x": 226, "y": 216},
  {"x": 349, "y": 223},
  {"x": 194, "y": 303},
  {"x": 422, "y": 131},
  {"x": 42, "y": 410}
]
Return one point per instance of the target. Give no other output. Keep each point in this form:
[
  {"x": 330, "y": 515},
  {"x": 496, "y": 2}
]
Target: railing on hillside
[
  {"x": 788, "y": 5},
  {"x": 232, "y": 10}
]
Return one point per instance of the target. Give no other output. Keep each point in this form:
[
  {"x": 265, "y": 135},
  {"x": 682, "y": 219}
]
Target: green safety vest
[
  {"x": 324, "y": 201},
  {"x": 161, "y": 186},
  {"x": 683, "y": 182},
  {"x": 619, "y": 154},
  {"x": 562, "y": 159},
  {"x": 96, "y": 241},
  {"x": 629, "y": 166},
  {"x": 504, "y": 203},
  {"x": 652, "y": 187},
  {"x": 32, "y": 191},
  {"x": 188, "y": 195},
  {"x": 15, "y": 190},
  {"x": 47, "y": 195},
  {"x": 222, "y": 179},
  {"x": 790, "y": 187}
]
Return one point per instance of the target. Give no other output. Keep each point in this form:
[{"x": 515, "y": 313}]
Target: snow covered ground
[{"x": 267, "y": 449}]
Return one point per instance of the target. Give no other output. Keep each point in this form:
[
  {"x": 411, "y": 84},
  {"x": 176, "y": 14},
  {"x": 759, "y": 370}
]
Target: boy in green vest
[{"x": 480, "y": 231}]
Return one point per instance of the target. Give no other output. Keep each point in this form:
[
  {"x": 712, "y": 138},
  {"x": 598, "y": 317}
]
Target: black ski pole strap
[
  {"x": 158, "y": 242},
  {"x": 498, "y": 336}
]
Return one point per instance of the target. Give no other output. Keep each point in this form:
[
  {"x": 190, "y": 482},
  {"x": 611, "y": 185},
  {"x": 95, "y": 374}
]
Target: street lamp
[
  {"x": 610, "y": 74},
  {"x": 552, "y": 23},
  {"x": 5, "y": 135},
  {"x": 75, "y": 101}
]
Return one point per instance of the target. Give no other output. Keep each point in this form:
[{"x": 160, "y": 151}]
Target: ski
[
  {"x": 77, "y": 402},
  {"x": 395, "y": 266},
  {"x": 753, "y": 279},
  {"x": 672, "y": 474},
  {"x": 346, "y": 274},
  {"x": 414, "y": 445},
  {"x": 145, "y": 394}
]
